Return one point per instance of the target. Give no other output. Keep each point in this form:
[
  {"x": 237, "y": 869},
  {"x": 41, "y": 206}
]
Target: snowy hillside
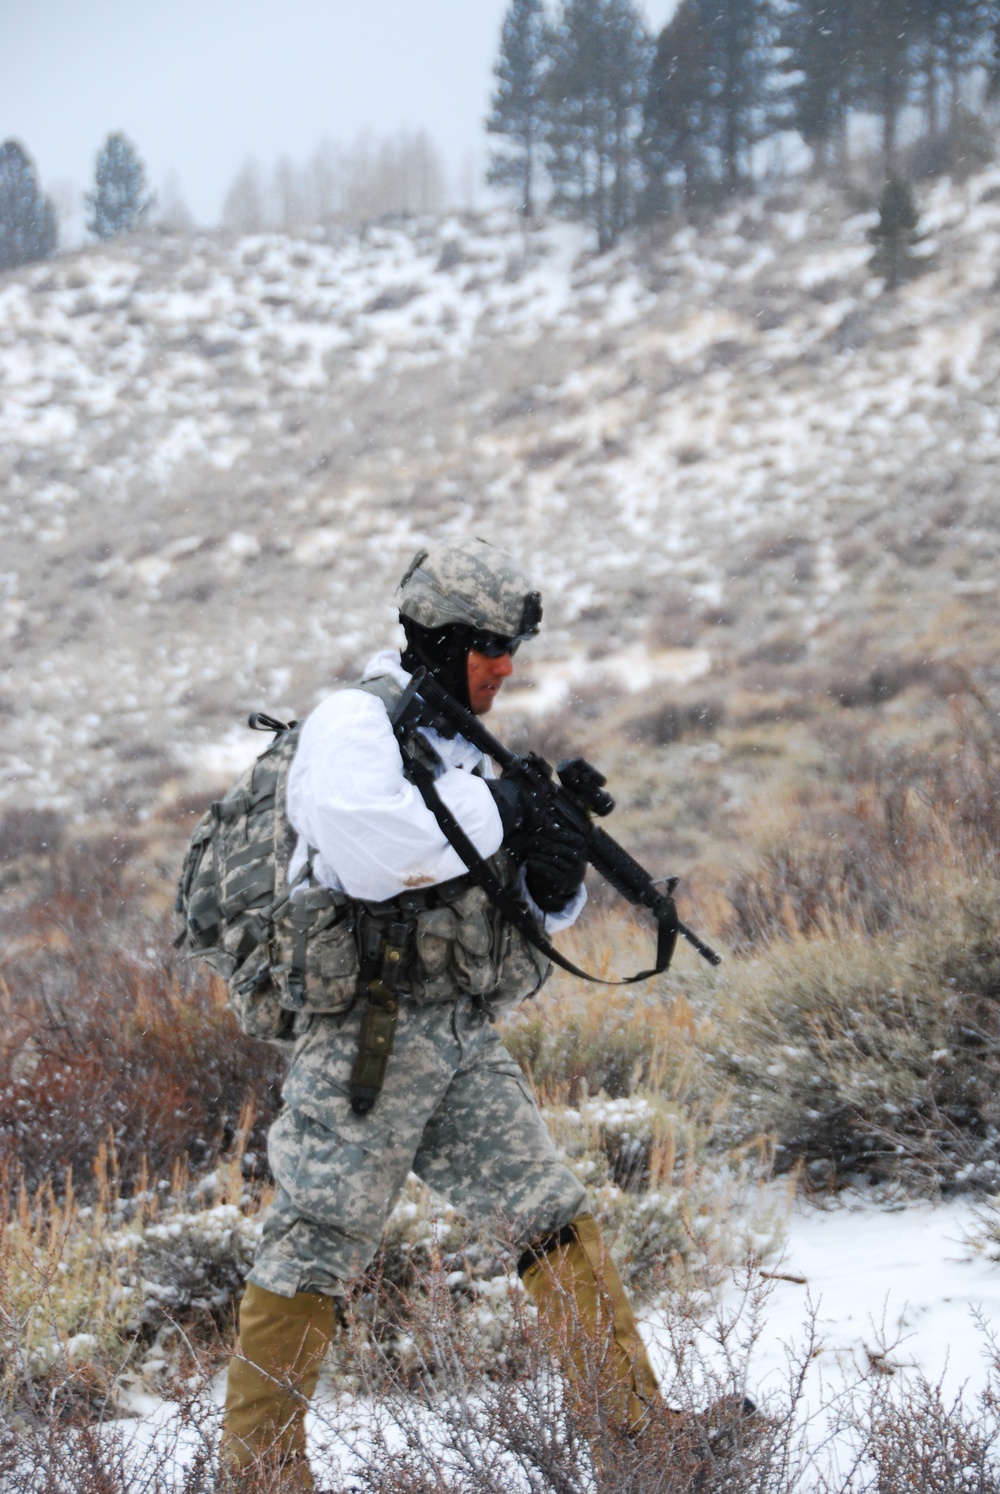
[{"x": 216, "y": 457}]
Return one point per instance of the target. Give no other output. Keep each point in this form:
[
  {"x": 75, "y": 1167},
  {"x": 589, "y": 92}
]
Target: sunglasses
[{"x": 495, "y": 645}]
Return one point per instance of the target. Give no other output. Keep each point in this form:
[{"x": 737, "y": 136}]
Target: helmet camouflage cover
[{"x": 473, "y": 584}]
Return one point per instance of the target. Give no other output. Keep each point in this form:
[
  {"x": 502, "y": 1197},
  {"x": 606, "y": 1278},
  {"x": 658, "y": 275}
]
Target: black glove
[
  {"x": 507, "y": 797},
  {"x": 554, "y": 861},
  {"x": 552, "y": 852}
]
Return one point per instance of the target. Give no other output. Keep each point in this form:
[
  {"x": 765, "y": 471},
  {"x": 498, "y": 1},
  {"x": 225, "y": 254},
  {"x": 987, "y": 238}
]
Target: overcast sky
[{"x": 201, "y": 84}]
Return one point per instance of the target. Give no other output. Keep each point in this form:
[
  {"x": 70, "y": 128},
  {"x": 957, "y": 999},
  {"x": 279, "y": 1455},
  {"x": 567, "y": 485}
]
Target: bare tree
[
  {"x": 290, "y": 196},
  {"x": 424, "y": 173},
  {"x": 325, "y": 174},
  {"x": 174, "y": 214},
  {"x": 245, "y": 207},
  {"x": 373, "y": 176}
]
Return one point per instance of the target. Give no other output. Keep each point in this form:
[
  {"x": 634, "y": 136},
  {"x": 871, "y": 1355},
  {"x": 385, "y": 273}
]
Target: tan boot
[
  {"x": 281, "y": 1347},
  {"x": 588, "y": 1321}
]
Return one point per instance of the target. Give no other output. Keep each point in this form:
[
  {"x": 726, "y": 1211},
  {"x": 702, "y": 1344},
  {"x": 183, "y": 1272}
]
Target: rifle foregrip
[
  {"x": 634, "y": 883},
  {"x": 620, "y": 869}
]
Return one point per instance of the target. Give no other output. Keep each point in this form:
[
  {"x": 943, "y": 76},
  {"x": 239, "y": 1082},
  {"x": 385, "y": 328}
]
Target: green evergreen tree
[
  {"x": 741, "y": 81},
  {"x": 823, "y": 40},
  {"x": 519, "y": 101},
  {"x": 992, "y": 51},
  {"x": 713, "y": 93},
  {"x": 27, "y": 218},
  {"x": 892, "y": 32},
  {"x": 119, "y": 201},
  {"x": 676, "y": 140},
  {"x": 954, "y": 38},
  {"x": 595, "y": 85},
  {"x": 895, "y": 233}
]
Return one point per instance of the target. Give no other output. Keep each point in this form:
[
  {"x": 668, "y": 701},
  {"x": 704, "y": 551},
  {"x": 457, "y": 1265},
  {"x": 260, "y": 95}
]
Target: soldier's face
[{"x": 486, "y": 675}]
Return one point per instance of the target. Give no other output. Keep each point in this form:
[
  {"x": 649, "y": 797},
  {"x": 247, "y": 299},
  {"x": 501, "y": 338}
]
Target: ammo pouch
[
  {"x": 465, "y": 947},
  {"x": 309, "y": 964},
  {"x": 430, "y": 947},
  {"x": 315, "y": 966}
]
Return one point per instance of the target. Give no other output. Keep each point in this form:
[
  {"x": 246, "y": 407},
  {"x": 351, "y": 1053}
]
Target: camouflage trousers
[{"x": 455, "y": 1109}]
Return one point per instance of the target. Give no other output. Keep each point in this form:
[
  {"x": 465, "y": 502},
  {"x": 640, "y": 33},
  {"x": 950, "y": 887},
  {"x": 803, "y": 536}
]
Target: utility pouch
[
  {"x": 316, "y": 969},
  {"x": 386, "y": 955}
]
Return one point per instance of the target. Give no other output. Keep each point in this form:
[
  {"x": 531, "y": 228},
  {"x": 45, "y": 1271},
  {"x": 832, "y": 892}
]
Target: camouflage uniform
[
  {"x": 454, "y": 1107},
  {"x": 395, "y": 929},
  {"x": 455, "y": 1110}
]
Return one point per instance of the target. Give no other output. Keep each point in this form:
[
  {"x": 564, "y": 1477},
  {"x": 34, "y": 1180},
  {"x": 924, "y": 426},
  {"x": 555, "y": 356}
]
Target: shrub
[
  {"x": 190, "y": 1262},
  {"x": 883, "y": 682},
  {"x": 27, "y": 832},
  {"x": 674, "y": 720},
  {"x": 855, "y": 867},
  {"x": 874, "y": 1054},
  {"x": 571, "y": 1044},
  {"x": 919, "y": 1442},
  {"x": 113, "y": 1038}
]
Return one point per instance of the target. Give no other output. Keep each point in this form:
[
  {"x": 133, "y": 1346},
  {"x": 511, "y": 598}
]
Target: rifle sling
[{"x": 512, "y": 908}]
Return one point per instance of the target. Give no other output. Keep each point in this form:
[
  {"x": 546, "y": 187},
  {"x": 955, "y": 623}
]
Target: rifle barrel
[{"x": 705, "y": 950}]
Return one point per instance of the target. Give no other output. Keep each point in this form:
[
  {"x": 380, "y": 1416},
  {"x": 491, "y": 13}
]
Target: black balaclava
[{"x": 443, "y": 652}]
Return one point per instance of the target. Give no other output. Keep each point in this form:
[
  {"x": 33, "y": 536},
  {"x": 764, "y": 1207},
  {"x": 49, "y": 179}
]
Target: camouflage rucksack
[
  {"x": 279, "y": 954},
  {"x": 234, "y": 876}
]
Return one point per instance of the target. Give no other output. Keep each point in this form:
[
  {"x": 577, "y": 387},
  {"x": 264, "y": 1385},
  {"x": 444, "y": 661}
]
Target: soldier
[{"x": 397, "y": 1065}]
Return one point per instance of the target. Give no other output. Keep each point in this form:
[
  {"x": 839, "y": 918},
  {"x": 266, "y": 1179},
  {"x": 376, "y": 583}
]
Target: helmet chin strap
[{"x": 444, "y": 653}]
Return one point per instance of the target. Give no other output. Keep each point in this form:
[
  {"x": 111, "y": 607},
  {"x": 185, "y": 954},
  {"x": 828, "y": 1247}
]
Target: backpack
[
  {"x": 233, "y": 881},
  {"x": 285, "y": 950}
]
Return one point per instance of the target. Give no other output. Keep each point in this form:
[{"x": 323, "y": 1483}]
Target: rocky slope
[{"x": 738, "y": 466}]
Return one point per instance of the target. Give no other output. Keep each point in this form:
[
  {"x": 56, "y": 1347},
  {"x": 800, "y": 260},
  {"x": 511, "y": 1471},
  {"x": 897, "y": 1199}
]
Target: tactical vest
[{"x": 289, "y": 954}]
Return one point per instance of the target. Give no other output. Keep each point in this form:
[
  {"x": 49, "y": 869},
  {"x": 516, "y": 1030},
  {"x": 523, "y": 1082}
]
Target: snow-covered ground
[
  {"x": 890, "y": 1291},
  {"x": 216, "y": 457},
  {"x": 872, "y": 1291},
  {"x": 905, "y": 1287}
]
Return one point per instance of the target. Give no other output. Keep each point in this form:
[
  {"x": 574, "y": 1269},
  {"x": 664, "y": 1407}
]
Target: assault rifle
[{"x": 575, "y": 794}]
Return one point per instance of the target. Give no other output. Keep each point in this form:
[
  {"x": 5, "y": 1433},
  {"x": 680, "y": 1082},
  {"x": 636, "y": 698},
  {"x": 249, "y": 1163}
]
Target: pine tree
[
  {"x": 676, "y": 141},
  {"x": 595, "y": 87},
  {"x": 891, "y": 38},
  {"x": 120, "y": 200},
  {"x": 712, "y": 92},
  {"x": 519, "y": 102},
  {"x": 824, "y": 39},
  {"x": 741, "y": 75},
  {"x": 27, "y": 218},
  {"x": 993, "y": 53},
  {"x": 955, "y": 37},
  {"x": 895, "y": 233}
]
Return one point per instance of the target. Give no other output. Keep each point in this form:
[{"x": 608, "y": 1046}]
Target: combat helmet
[
  {"x": 462, "y": 595},
  {"x": 474, "y": 585}
]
